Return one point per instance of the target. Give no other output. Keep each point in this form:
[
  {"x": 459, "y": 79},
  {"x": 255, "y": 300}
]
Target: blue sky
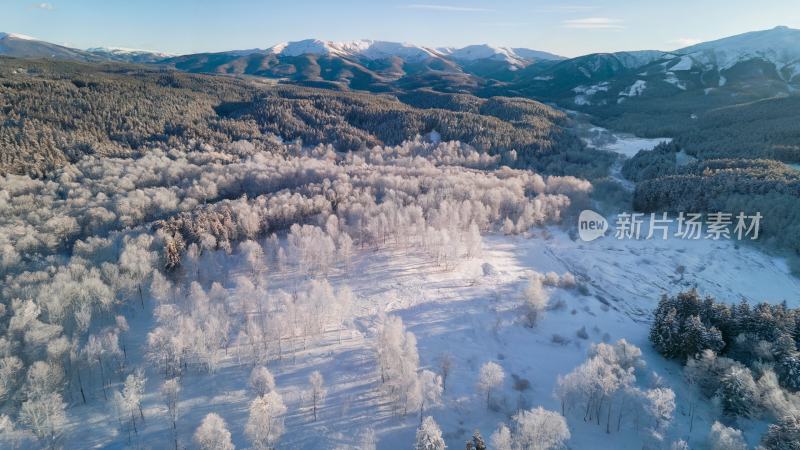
[{"x": 564, "y": 27}]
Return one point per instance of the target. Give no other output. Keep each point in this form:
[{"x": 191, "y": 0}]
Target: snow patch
[
  {"x": 685, "y": 63},
  {"x": 635, "y": 90},
  {"x": 591, "y": 90},
  {"x": 673, "y": 80},
  {"x": 124, "y": 51},
  {"x": 581, "y": 100}
]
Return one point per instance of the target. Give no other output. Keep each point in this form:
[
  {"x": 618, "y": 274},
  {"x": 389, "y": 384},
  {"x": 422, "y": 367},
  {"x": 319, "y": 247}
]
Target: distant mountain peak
[
  {"x": 21, "y": 37},
  {"x": 371, "y": 49},
  {"x": 127, "y": 51},
  {"x": 486, "y": 51},
  {"x": 364, "y": 48},
  {"x": 779, "y": 45}
]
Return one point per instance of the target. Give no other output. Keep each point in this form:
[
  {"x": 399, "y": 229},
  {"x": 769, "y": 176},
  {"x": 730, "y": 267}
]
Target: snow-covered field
[
  {"x": 622, "y": 143},
  {"x": 470, "y": 312}
]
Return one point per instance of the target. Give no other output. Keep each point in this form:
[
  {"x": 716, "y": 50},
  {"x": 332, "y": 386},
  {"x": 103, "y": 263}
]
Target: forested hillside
[
  {"x": 55, "y": 112},
  {"x": 720, "y": 185}
]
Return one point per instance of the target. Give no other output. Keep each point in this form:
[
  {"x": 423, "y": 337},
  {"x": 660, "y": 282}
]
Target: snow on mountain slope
[
  {"x": 22, "y": 46},
  {"x": 21, "y": 37},
  {"x": 532, "y": 55},
  {"x": 635, "y": 90},
  {"x": 780, "y": 46},
  {"x": 484, "y": 51},
  {"x": 131, "y": 55},
  {"x": 383, "y": 49},
  {"x": 127, "y": 51},
  {"x": 635, "y": 59},
  {"x": 363, "y": 48},
  {"x": 685, "y": 63},
  {"x": 373, "y": 50}
]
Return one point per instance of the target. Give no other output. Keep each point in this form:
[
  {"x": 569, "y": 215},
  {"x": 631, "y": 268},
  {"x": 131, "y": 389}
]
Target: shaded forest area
[
  {"x": 742, "y": 356},
  {"x": 720, "y": 185}
]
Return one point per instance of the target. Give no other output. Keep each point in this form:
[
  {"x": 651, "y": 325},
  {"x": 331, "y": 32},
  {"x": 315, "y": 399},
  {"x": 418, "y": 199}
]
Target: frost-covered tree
[
  {"x": 491, "y": 375},
  {"x": 660, "y": 404},
  {"x": 344, "y": 309},
  {"x": 429, "y": 436},
  {"x": 345, "y": 250},
  {"x": 398, "y": 362},
  {"x": 477, "y": 441},
  {"x": 128, "y": 401},
  {"x": 169, "y": 392},
  {"x": 43, "y": 378},
  {"x": 501, "y": 438},
  {"x": 445, "y": 363},
  {"x": 680, "y": 444},
  {"x": 136, "y": 261},
  {"x": 535, "y": 299},
  {"x": 431, "y": 390},
  {"x": 602, "y": 386},
  {"x": 725, "y": 438},
  {"x": 316, "y": 391},
  {"x": 10, "y": 368},
  {"x": 738, "y": 392},
  {"x": 161, "y": 288},
  {"x": 45, "y": 417},
  {"x": 264, "y": 426},
  {"x": 539, "y": 429},
  {"x": 213, "y": 434},
  {"x": 10, "y": 436},
  {"x": 783, "y": 435},
  {"x": 261, "y": 380}
]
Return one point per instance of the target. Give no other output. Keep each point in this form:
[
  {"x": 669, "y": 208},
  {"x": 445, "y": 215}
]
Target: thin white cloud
[
  {"x": 504, "y": 24},
  {"x": 594, "y": 23},
  {"x": 445, "y": 8},
  {"x": 568, "y": 9},
  {"x": 685, "y": 42},
  {"x": 43, "y": 6}
]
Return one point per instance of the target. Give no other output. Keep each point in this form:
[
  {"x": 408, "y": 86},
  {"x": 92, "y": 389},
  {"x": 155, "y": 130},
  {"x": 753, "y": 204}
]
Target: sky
[{"x": 568, "y": 28}]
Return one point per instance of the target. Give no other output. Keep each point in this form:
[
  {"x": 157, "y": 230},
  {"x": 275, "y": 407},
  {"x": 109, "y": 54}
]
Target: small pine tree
[{"x": 477, "y": 441}]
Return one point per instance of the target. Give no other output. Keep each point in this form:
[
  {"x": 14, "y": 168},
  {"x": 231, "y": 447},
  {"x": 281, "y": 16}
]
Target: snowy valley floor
[{"x": 472, "y": 316}]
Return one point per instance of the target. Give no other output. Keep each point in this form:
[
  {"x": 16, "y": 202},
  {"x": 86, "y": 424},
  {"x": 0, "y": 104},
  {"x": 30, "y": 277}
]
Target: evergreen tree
[{"x": 784, "y": 435}]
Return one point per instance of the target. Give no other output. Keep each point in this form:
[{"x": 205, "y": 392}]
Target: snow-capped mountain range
[
  {"x": 780, "y": 46},
  {"x": 765, "y": 61},
  {"x": 376, "y": 50}
]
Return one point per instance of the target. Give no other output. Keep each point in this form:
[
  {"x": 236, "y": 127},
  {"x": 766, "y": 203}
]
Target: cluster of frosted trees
[
  {"x": 79, "y": 252},
  {"x": 407, "y": 387},
  {"x": 265, "y": 422},
  {"x": 196, "y": 328},
  {"x": 405, "y": 201},
  {"x": 535, "y": 429},
  {"x": 63, "y": 341},
  {"x": 536, "y": 297},
  {"x": 604, "y": 390}
]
